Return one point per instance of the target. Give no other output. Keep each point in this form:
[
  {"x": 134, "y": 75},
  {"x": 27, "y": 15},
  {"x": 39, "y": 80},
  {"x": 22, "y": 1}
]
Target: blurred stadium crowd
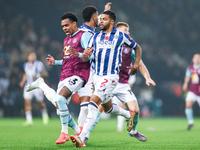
[{"x": 167, "y": 31}]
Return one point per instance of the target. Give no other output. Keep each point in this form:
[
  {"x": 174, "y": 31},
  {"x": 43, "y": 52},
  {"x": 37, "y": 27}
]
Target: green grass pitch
[{"x": 161, "y": 133}]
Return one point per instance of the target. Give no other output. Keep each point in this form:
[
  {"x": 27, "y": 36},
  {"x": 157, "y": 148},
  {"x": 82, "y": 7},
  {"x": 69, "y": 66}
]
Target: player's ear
[
  {"x": 74, "y": 23},
  {"x": 112, "y": 22}
]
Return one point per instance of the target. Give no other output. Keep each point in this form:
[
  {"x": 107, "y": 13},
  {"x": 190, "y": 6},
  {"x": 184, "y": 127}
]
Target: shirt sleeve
[
  {"x": 133, "y": 55},
  {"x": 58, "y": 62},
  {"x": 129, "y": 41},
  {"x": 188, "y": 73},
  {"x": 85, "y": 39}
]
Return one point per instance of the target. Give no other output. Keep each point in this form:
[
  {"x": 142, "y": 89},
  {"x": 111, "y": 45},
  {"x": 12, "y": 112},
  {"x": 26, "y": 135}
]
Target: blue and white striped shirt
[
  {"x": 108, "y": 51},
  {"x": 33, "y": 70},
  {"x": 87, "y": 28}
]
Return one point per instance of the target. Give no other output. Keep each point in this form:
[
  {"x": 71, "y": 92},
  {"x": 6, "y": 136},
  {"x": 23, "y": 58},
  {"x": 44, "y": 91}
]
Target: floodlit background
[{"x": 167, "y": 30}]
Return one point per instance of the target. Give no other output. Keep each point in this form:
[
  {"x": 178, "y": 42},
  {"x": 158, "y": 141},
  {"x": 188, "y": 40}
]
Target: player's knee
[
  {"x": 137, "y": 110},
  {"x": 61, "y": 101},
  {"x": 188, "y": 105}
]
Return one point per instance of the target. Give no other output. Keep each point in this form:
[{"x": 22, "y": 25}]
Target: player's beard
[
  {"x": 97, "y": 23},
  {"x": 106, "y": 27}
]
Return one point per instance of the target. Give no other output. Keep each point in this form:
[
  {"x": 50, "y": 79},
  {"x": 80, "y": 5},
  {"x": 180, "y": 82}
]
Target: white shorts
[
  {"x": 115, "y": 100},
  {"x": 124, "y": 93},
  {"x": 87, "y": 90},
  {"x": 37, "y": 93},
  {"x": 132, "y": 79},
  {"x": 104, "y": 86},
  {"x": 73, "y": 83},
  {"x": 192, "y": 97}
]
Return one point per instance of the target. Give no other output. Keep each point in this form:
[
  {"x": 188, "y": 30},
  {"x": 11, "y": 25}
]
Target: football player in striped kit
[
  {"x": 123, "y": 90},
  {"x": 90, "y": 16},
  {"x": 106, "y": 49},
  {"x": 32, "y": 70},
  {"x": 192, "y": 75}
]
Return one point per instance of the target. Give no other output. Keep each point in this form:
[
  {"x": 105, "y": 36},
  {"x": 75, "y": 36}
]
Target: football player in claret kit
[
  {"x": 193, "y": 76},
  {"x": 106, "y": 50},
  {"x": 75, "y": 73}
]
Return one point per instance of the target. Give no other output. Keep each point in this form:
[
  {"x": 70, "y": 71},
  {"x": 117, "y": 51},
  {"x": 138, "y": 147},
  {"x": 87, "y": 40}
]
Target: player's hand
[
  {"x": 21, "y": 84},
  {"x": 73, "y": 52},
  {"x": 50, "y": 60},
  {"x": 108, "y": 6},
  {"x": 88, "y": 51},
  {"x": 150, "y": 82},
  {"x": 134, "y": 69}
]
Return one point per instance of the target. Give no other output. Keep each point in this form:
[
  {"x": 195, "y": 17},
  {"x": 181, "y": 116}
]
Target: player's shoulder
[
  {"x": 190, "y": 67},
  {"x": 97, "y": 34},
  {"x": 37, "y": 62}
]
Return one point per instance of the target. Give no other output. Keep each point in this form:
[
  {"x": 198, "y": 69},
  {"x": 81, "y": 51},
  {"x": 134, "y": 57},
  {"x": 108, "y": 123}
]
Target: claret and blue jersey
[{"x": 107, "y": 53}]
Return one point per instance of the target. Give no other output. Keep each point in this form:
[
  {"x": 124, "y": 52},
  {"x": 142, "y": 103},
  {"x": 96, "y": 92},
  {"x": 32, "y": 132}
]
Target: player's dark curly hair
[
  {"x": 87, "y": 13},
  {"x": 69, "y": 15},
  {"x": 110, "y": 13}
]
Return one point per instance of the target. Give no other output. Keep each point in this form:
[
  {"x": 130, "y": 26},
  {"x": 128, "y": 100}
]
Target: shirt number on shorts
[
  {"x": 103, "y": 83},
  {"x": 73, "y": 81}
]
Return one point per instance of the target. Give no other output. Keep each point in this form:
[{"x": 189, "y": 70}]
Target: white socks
[
  {"x": 28, "y": 115},
  {"x": 64, "y": 129},
  {"x": 48, "y": 92},
  {"x": 120, "y": 123},
  {"x": 90, "y": 120},
  {"x": 83, "y": 113},
  {"x": 116, "y": 110},
  {"x": 76, "y": 129},
  {"x": 44, "y": 112}
]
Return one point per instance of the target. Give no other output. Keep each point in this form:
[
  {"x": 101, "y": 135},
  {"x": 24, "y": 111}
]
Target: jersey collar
[
  {"x": 112, "y": 32},
  {"x": 196, "y": 66},
  {"x": 88, "y": 27},
  {"x": 75, "y": 33}
]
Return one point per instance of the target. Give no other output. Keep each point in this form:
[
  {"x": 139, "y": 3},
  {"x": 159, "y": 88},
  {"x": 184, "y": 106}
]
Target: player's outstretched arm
[
  {"x": 144, "y": 71},
  {"x": 138, "y": 54},
  {"x": 185, "y": 84},
  {"x": 108, "y": 6},
  {"x": 134, "y": 68},
  {"x": 21, "y": 84}
]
